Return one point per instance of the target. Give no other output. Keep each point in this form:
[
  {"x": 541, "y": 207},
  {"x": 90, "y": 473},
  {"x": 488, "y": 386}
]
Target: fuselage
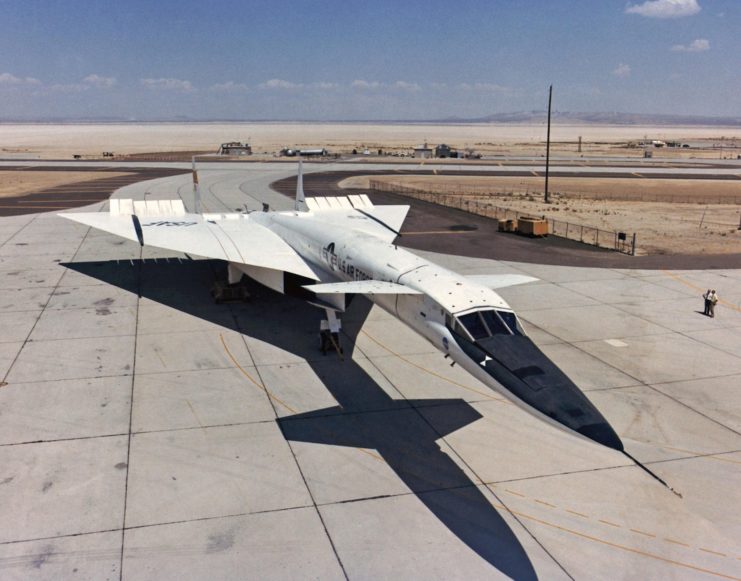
[{"x": 469, "y": 322}]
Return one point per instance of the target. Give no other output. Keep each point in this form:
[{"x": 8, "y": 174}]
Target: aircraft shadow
[{"x": 403, "y": 432}]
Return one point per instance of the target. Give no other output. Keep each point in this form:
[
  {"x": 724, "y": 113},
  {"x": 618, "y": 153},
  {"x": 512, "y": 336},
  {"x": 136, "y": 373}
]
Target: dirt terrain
[
  {"x": 90, "y": 140},
  {"x": 670, "y": 216},
  {"x": 678, "y": 216},
  {"x": 18, "y": 183}
]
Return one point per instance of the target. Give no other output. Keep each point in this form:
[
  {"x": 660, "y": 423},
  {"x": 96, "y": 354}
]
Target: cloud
[
  {"x": 622, "y": 71},
  {"x": 485, "y": 87},
  {"x": 8, "y": 79},
  {"x": 229, "y": 87},
  {"x": 361, "y": 84},
  {"x": 279, "y": 84},
  {"x": 68, "y": 87},
  {"x": 664, "y": 8},
  {"x": 99, "y": 82},
  {"x": 324, "y": 85},
  {"x": 405, "y": 86},
  {"x": 697, "y": 45},
  {"x": 167, "y": 84}
]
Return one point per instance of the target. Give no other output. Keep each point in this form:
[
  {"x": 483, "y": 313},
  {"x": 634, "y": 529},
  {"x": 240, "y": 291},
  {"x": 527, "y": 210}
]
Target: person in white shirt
[{"x": 713, "y": 299}]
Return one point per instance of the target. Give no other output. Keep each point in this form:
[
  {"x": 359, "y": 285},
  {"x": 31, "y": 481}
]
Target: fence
[
  {"x": 474, "y": 190},
  {"x": 609, "y": 239}
]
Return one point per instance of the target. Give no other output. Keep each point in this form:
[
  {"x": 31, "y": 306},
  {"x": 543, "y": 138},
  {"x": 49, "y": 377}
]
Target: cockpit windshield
[{"x": 487, "y": 323}]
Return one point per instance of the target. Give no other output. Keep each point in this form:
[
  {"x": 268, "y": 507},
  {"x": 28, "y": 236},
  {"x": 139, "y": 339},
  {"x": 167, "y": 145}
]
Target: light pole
[{"x": 548, "y": 144}]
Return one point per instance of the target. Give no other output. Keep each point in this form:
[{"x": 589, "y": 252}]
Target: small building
[
  {"x": 423, "y": 151},
  {"x": 315, "y": 152},
  {"x": 235, "y": 148},
  {"x": 444, "y": 150}
]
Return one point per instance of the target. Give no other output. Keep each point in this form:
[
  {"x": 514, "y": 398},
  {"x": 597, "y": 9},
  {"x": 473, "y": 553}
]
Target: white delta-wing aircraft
[{"x": 329, "y": 248}]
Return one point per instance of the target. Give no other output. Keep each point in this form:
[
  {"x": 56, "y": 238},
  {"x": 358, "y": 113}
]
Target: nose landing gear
[{"x": 329, "y": 334}]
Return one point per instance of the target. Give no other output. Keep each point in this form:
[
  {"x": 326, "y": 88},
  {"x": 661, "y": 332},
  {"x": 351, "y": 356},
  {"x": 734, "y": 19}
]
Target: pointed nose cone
[{"x": 517, "y": 364}]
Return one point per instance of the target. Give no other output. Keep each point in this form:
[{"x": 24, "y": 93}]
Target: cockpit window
[
  {"x": 473, "y": 324},
  {"x": 495, "y": 324},
  {"x": 512, "y": 322},
  {"x": 489, "y": 322}
]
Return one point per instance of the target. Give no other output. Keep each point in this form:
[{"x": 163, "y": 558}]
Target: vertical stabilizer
[
  {"x": 300, "y": 197},
  {"x": 196, "y": 190}
]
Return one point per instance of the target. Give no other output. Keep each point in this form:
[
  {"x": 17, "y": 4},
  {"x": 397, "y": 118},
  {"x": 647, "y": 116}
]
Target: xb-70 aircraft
[{"x": 330, "y": 248}]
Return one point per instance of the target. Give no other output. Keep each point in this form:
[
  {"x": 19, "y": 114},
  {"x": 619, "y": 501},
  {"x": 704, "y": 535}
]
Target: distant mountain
[
  {"x": 606, "y": 118},
  {"x": 518, "y": 117}
]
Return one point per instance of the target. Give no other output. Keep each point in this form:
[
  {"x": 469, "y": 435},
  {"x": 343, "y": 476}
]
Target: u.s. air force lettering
[{"x": 342, "y": 264}]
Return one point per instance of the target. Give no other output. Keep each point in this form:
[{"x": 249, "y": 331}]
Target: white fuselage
[
  {"x": 337, "y": 253},
  {"x": 345, "y": 255}
]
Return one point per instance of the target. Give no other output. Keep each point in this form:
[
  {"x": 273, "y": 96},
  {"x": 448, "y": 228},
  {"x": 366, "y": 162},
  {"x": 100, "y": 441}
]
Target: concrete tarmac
[{"x": 146, "y": 432}]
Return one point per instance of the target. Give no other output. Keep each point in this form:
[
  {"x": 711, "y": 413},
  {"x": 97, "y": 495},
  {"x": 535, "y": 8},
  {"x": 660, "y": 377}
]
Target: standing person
[
  {"x": 706, "y": 296},
  {"x": 713, "y": 302}
]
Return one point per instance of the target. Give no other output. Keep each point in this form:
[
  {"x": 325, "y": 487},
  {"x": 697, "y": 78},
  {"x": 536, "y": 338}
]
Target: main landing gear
[{"x": 329, "y": 333}]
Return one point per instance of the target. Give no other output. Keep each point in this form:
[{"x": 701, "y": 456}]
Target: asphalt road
[{"x": 75, "y": 195}]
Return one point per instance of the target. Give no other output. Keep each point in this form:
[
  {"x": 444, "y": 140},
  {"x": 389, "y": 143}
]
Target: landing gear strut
[{"x": 329, "y": 333}]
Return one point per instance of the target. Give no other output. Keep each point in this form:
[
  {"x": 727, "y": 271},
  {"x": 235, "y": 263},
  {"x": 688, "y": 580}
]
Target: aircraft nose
[
  {"x": 517, "y": 364},
  {"x": 602, "y": 433}
]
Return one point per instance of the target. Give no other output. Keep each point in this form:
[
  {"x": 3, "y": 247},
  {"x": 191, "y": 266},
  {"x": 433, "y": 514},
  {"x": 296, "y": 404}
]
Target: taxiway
[{"x": 146, "y": 432}]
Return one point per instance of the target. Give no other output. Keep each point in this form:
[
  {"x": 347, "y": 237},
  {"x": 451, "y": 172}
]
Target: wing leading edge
[{"x": 235, "y": 239}]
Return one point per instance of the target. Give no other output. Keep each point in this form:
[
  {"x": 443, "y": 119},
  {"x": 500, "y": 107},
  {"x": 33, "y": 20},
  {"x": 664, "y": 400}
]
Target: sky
[{"x": 366, "y": 60}]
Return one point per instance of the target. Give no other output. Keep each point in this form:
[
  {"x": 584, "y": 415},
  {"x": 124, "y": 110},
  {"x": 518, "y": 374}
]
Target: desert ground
[
  {"x": 62, "y": 141},
  {"x": 670, "y": 216}
]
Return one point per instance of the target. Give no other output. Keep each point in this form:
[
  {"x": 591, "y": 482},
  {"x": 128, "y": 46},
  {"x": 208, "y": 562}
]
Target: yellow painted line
[
  {"x": 697, "y": 288},
  {"x": 628, "y": 549},
  {"x": 712, "y": 552},
  {"x": 371, "y": 454},
  {"x": 668, "y": 540},
  {"x": 614, "y": 525},
  {"x": 273, "y": 397},
  {"x": 636, "y": 174},
  {"x": 535, "y": 173},
  {"x": 701, "y": 455},
  {"x": 432, "y": 372},
  {"x": 248, "y": 376},
  {"x": 643, "y": 533}
]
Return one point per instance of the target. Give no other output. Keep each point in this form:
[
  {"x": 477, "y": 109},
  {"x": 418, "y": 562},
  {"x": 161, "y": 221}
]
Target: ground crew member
[{"x": 713, "y": 299}]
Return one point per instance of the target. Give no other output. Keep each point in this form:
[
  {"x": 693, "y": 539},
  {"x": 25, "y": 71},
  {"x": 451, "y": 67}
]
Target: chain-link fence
[
  {"x": 619, "y": 241},
  {"x": 453, "y": 188}
]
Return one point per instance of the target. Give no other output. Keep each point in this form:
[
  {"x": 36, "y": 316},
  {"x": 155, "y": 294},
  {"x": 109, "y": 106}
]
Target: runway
[
  {"x": 147, "y": 432},
  {"x": 335, "y": 171}
]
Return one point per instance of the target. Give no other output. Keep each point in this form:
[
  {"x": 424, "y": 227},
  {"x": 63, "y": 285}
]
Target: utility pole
[{"x": 548, "y": 144}]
